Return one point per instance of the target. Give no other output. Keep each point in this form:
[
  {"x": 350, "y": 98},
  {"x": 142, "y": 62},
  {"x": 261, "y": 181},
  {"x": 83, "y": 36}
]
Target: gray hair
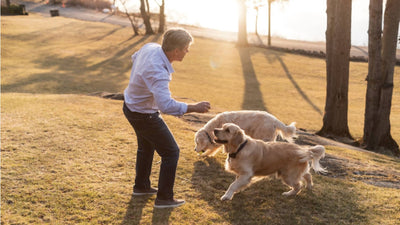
[{"x": 176, "y": 38}]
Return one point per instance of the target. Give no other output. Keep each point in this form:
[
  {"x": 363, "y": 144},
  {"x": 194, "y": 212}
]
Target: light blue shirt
[{"x": 148, "y": 88}]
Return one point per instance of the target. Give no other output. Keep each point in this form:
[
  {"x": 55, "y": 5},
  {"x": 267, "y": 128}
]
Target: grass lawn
[{"x": 69, "y": 158}]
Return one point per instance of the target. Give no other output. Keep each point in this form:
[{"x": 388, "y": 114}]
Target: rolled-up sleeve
[{"x": 164, "y": 101}]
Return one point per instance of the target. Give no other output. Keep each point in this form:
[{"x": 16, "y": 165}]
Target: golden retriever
[
  {"x": 248, "y": 157},
  {"x": 257, "y": 124}
]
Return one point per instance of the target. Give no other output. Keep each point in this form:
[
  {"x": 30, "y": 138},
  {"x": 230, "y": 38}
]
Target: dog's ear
[{"x": 237, "y": 137}]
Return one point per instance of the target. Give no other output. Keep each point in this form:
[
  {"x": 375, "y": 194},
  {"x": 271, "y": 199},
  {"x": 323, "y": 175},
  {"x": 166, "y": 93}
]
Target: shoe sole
[
  {"x": 141, "y": 194},
  {"x": 168, "y": 206}
]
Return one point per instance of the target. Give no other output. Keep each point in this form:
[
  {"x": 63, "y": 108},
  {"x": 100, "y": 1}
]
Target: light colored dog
[
  {"x": 248, "y": 157},
  {"x": 257, "y": 124}
]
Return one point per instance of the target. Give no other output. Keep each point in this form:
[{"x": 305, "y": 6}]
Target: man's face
[{"x": 180, "y": 53}]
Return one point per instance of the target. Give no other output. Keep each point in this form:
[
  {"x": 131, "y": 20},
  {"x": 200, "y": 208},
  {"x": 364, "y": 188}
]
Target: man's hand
[{"x": 200, "y": 107}]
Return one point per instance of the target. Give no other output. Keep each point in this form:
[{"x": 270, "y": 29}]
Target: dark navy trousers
[{"x": 152, "y": 135}]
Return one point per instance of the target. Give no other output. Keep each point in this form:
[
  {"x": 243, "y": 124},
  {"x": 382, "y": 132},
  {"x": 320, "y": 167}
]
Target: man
[{"x": 146, "y": 95}]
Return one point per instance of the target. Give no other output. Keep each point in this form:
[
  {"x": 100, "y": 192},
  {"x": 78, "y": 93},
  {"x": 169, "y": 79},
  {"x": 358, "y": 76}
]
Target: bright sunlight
[
  {"x": 295, "y": 19},
  {"x": 220, "y": 15}
]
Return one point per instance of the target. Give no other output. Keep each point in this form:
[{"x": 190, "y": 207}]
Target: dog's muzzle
[{"x": 199, "y": 150}]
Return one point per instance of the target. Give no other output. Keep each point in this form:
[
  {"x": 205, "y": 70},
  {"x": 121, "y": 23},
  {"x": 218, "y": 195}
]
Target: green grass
[{"x": 69, "y": 158}]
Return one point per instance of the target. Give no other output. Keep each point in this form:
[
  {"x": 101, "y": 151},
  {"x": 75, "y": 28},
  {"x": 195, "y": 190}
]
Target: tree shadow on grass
[
  {"x": 262, "y": 202},
  {"x": 123, "y": 52},
  {"x": 108, "y": 34},
  {"x": 296, "y": 85},
  {"x": 271, "y": 56},
  {"x": 253, "y": 98},
  {"x": 75, "y": 74}
]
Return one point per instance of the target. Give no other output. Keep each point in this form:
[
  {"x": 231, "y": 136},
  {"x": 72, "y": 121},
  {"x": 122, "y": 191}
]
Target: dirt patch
[
  {"x": 339, "y": 167},
  {"x": 197, "y": 120},
  {"x": 108, "y": 95},
  {"x": 358, "y": 171}
]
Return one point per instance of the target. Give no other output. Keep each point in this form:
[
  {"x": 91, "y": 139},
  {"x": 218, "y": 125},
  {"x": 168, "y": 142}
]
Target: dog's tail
[
  {"x": 314, "y": 154},
  {"x": 287, "y": 132}
]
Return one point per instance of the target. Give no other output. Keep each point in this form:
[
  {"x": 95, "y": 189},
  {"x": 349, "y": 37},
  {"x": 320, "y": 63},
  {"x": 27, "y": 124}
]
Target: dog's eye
[{"x": 227, "y": 130}]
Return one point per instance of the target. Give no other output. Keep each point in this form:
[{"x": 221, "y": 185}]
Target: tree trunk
[
  {"x": 377, "y": 135},
  {"x": 269, "y": 22},
  {"x": 147, "y": 7},
  {"x": 161, "y": 26},
  {"x": 134, "y": 27},
  {"x": 374, "y": 67},
  {"x": 256, "y": 27},
  {"x": 242, "y": 33},
  {"x": 146, "y": 18},
  {"x": 131, "y": 19},
  {"x": 338, "y": 45}
]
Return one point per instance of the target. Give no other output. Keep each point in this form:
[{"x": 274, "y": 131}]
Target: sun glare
[
  {"x": 294, "y": 19},
  {"x": 218, "y": 14}
]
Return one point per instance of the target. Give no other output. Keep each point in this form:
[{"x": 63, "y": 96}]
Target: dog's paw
[
  {"x": 226, "y": 198},
  {"x": 289, "y": 193},
  {"x": 203, "y": 156}
]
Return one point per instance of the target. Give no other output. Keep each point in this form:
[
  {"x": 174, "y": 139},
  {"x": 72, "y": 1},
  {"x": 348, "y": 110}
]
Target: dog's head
[
  {"x": 231, "y": 135},
  {"x": 204, "y": 141}
]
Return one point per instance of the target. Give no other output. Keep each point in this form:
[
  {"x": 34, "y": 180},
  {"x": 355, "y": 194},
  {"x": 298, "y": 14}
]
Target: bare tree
[
  {"x": 257, "y": 4},
  {"x": 382, "y": 59},
  {"x": 269, "y": 22},
  {"x": 146, "y": 16},
  {"x": 161, "y": 25},
  {"x": 269, "y": 19},
  {"x": 147, "y": 7},
  {"x": 242, "y": 32},
  {"x": 338, "y": 43},
  {"x": 374, "y": 66},
  {"x": 131, "y": 18},
  {"x": 256, "y": 7}
]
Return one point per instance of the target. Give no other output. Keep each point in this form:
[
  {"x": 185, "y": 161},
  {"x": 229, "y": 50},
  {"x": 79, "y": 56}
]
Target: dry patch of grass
[
  {"x": 65, "y": 57},
  {"x": 68, "y": 158},
  {"x": 70, "y": 56},
  {"x": 60, "y": 159}
]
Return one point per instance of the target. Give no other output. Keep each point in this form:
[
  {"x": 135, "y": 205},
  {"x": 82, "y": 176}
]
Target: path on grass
[{"x": 305, "y": 47}]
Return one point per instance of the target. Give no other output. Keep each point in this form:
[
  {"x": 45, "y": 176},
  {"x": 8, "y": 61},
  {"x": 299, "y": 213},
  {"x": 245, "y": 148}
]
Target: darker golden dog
[{"x": 248, "y": 157}]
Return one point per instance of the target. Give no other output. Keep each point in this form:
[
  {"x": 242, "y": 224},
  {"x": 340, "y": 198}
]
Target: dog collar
[
  {"x": 233, "y": 155},
  {"x": 209, "y": 138}
]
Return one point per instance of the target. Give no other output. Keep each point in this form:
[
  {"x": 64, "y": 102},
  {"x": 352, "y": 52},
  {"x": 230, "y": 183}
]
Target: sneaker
[
  {"x": 161, "y": 204},
  {"x": 150, "y": 191}
]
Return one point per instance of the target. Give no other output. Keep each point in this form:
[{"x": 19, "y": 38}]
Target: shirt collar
[{"x": 166, "y": 61}]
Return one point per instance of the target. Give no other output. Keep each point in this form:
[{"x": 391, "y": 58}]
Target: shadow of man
[
  {"x": 136, "y": 205},
  {"x": 134, "y": 212},
  {"x": 161, "y": 216}
]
